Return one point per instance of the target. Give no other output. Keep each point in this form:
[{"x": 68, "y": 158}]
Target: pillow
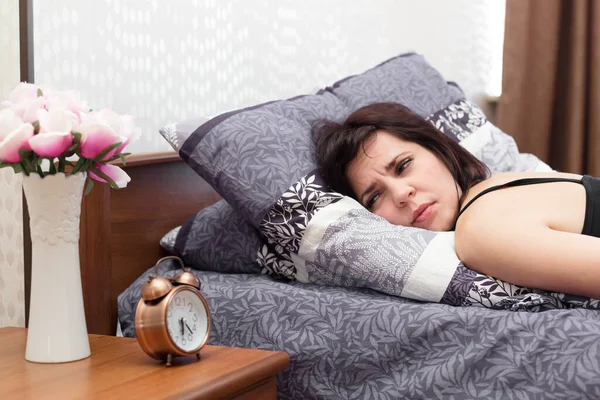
[
  {"x": 251, "y": 156},
  {"x": 260, "y": 160},
  {"x": 216, "y": 239}
]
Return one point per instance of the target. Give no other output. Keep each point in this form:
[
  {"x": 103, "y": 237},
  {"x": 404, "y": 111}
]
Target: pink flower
[
  {"x": 14, "y": 136},
  {"x": 69, "y": 100},
  {"x": 121, "y": 125},
  {"x": 56, "y": 120},
  {"x": 31, "y": 110},
  {"x": 22, "y": 93},
  {"x": 9, "y": 121},
  {"x": 115, "y": 173},
  {"x": 55, "y": 135},
  {"x": 96, "y": 136},
  {"x": 52, "y": 144},
  {"x": 25, "y": 102}
]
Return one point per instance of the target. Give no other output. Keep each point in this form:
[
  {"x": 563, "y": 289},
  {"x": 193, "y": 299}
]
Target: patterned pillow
[
  {"x": 216, "y": 239},
  {"x": 251, "y": 156},
  {"x": 261, "y": 161}
]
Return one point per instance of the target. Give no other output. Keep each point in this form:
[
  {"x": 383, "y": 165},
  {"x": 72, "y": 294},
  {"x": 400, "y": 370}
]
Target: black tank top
[{"x": 591, "y": 224}]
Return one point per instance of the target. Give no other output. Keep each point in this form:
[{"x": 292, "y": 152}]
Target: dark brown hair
[{"x": 338, "y": 144}]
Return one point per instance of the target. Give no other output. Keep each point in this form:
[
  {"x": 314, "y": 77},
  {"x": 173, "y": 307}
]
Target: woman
[{"x": 538, "y": 230}]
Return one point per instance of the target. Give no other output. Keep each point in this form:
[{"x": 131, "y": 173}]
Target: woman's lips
[{"x": 423, "y": 213}]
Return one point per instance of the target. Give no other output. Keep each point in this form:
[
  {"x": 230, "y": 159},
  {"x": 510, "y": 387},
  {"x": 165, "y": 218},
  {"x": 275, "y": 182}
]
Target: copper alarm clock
[{"x": 172, "y": 318}]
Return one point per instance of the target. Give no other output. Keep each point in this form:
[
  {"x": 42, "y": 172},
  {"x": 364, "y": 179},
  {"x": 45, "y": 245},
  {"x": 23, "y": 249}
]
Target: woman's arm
[{"x": 531, "y": 255}]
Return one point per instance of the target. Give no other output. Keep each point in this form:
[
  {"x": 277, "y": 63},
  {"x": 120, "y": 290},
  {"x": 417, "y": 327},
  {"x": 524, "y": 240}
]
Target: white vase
[{"x": 57, "y": 330}]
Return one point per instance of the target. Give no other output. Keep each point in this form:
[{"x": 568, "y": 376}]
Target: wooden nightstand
[{"x": 119, "y": 369}]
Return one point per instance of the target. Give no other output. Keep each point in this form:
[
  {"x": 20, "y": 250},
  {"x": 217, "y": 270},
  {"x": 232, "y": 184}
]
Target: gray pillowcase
[
  {"x": 252, "y": 156},
  {"x": 216, "y": 239}
]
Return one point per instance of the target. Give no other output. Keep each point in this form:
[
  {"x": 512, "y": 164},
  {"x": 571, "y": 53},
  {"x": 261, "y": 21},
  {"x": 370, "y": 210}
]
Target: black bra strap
[{"x": 518, "y": 182}]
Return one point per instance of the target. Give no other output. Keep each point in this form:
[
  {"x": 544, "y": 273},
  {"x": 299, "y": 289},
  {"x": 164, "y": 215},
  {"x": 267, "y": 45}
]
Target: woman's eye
[
  {"x": 403, "y": 165},
  {"x": 372, "y": 201}
]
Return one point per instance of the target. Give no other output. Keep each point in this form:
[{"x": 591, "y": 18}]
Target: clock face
[{"x": 187, "y": 320}]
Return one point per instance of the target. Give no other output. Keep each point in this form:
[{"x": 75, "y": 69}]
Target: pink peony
[
  {"x": 69, "y": 100},
  {"x": 14, "y": 134},
  {"x": 54, "y": 137},
  {"x": 51, "y": 144},
  {"x": 96, "y": 135},
  {"x": 24, "y": 92},
  {"x": 115, "y": 173},
  {"x": 13, "y": 142},
  {"x": 9, "y": 121}
]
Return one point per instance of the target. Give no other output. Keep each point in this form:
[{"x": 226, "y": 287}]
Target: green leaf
[
  {"x": 76, "y": 137},
  {"x": 3, "y": 165},
  {"x": 26, "y": 161},
  {"x": 123, "y": 158},
  {"x": 89, "y": 186},
  {"x": 102, "y": 175},
  {"x": 107, "y": 150},
  {"x": 17, "y": 168},
  {"x": 39, "y": 92},
  {"x": 20, "y": 168},
  {"x": 72, "y": 150},
  {"x": 76, "y": 146},
  {"x": 113, "y": 158},
  {"x": 78, "y": 166},
  {"x": 52, "y": 167},
  {"x": 73, "y": 147},
  {"x": 24, "y": 153}
]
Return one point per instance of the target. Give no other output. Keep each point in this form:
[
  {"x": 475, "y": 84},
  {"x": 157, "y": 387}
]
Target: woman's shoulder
[
  {"x": 506, "y": 177},
  {"x": 496, "y": 216},
  {"x": 525, "y": 202}
]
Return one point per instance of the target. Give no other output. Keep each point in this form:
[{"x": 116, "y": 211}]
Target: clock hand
[
  {"x": 189, "y": 329},
  {"x": 181, "y": 323}
]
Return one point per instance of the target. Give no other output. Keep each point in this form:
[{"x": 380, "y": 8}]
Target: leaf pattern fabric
[
  {"x": 349, "y": 343},
  {"x": 216, "y": 239}
]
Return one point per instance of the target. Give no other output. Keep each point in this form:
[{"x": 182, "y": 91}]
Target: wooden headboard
[{"x": 121, "y": 229}]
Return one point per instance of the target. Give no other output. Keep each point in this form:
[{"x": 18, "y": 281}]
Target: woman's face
[{"x": 404, "y": 183}]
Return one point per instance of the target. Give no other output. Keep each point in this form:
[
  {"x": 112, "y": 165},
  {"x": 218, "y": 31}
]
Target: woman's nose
[{"x": 402, "y": 194}]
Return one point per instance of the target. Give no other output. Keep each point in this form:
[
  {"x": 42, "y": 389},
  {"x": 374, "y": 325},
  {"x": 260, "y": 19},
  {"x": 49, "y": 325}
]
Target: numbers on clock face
[{"x": 187, "y": 320}]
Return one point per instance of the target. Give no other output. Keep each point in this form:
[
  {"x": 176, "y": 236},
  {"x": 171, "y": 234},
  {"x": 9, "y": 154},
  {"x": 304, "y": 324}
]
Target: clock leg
[
  {"x": 169, "y": 359},
  {"x": 198, "y": 356}
]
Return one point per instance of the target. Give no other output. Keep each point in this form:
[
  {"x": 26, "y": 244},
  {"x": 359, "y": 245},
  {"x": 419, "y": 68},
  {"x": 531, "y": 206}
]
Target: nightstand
[{"x": 119, "y": 369}]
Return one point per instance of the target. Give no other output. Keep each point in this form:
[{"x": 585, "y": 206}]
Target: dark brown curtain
[{"x": 550, "y": 99}]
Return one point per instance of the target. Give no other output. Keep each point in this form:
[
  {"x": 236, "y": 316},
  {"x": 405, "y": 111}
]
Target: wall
[
  {"x": 166, "y": 61},
  {"x": 12, "y": 299}
]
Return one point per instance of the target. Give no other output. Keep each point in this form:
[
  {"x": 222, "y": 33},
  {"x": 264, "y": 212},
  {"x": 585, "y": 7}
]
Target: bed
[{"x": 343, "y": 343}]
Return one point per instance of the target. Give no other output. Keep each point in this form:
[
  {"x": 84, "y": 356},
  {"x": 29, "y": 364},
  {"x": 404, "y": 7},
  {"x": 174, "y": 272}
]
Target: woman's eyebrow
[
  {"x": 388, "y": 167},
  {"x": 366, "y": 192},
  {"x": 392, "y": 163}
]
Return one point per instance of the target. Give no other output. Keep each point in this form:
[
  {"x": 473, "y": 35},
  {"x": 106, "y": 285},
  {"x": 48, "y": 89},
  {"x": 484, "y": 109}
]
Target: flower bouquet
[
  {"x": 40, "y": 124},
  {"x": 57, "y": 143}
]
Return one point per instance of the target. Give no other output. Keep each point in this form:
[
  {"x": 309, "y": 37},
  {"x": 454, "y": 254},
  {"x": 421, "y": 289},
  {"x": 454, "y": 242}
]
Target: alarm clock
[{"x": 172, "y": 317}]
